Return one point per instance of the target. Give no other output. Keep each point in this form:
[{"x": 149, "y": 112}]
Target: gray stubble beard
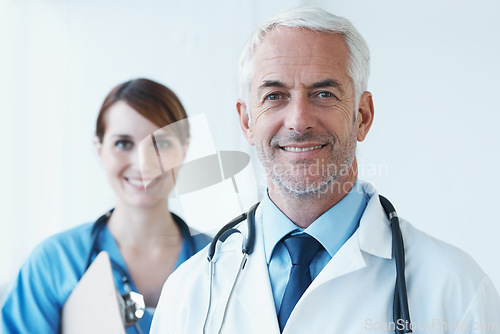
[{"x": 301, "y": 190}]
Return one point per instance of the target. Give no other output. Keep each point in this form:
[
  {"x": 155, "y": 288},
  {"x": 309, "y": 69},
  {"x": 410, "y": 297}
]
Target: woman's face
[{"x": 123, "y": 158}]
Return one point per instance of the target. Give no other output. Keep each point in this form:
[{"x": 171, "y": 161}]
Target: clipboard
[{"x": 92, "y": 307}]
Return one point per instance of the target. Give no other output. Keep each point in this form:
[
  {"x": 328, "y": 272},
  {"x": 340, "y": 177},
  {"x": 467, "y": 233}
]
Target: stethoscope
[
  {"x": 401, "y": 314},
  {"x": 131, "y": 304}
]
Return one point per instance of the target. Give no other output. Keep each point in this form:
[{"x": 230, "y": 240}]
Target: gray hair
[{"x": 315, "y": 19}]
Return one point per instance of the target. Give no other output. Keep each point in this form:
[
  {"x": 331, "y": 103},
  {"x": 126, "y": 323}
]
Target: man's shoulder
[
  {"x": 451, "y": 279},
  {"x": 431, "y": 257}
]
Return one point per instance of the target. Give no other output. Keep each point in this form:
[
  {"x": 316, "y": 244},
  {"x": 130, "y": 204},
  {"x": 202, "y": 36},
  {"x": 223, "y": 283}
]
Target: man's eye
[
  {"x": 273, "y": 97},
  {"x": 325, "y": 94},
  {"x": 124, "y": 145}
]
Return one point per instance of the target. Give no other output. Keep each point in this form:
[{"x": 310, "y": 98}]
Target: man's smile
[{"x": 301, "y": 149}]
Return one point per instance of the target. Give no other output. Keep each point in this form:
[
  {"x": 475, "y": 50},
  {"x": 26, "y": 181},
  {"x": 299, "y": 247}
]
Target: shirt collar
[{"x": 332, "y": 229}]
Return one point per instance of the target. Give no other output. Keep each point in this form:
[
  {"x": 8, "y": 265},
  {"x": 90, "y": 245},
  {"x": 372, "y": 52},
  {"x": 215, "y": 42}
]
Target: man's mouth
[{"x": 301, "y": 149}]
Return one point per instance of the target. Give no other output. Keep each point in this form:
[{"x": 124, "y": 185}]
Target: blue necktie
[{"x": 302, "y": 249}]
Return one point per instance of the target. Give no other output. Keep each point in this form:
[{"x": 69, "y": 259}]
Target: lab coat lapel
[
  {"x": 251, "y": 308},
  {"x": 348, "y": 259},
  {"x": 255, "y": 296},
  {"x": 373, "y": 237}
]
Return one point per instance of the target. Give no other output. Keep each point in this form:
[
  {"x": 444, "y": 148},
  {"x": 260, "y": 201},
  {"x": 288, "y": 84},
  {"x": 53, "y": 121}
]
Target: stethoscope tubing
[
  {"x": 124, "y": 277},
  {"x": 400, "y": 309}
]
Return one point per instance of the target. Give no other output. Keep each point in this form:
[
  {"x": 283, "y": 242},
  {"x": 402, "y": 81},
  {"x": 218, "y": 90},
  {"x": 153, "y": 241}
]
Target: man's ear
[
  {"x": 365, "y": 115},
  {"x": 245, "y": 122},
  {"x": 98, "y": 146}
]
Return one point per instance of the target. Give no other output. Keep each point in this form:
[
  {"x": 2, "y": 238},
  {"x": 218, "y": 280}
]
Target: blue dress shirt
[{"x": 332, "y": 230}]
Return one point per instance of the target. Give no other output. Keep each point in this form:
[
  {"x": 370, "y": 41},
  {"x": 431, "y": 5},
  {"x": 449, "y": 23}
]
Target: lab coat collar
[
  {"x": 331, "y": 229},
  {"x": 372, "y": 237},
  {"x": 375, "y": 235}
]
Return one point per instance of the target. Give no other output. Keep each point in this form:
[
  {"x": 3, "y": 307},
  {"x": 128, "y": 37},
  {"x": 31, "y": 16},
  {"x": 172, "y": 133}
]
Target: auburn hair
[{"x": 152, "y": 100}]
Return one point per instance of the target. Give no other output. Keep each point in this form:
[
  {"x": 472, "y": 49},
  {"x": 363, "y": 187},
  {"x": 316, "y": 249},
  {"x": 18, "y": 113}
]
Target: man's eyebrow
[
  {"x": 272, "y": 83},
  {"x": 319, "y": 84},
  {"x": 327, "y": 83}
]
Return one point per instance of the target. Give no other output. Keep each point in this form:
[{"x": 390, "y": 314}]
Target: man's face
[{"x": 302, "y": 108}]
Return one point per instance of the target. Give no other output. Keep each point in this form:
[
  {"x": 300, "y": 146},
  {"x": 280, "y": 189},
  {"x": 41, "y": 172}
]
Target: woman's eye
[
  {"x": 124, "y": 145},
  {"x": 163, "y": 144}
]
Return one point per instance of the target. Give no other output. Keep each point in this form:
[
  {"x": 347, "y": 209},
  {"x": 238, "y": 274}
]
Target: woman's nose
[{"x": 148, "y": 159}]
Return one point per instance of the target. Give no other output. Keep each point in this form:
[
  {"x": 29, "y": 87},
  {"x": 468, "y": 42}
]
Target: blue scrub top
[{"x": 52, "y": 271}]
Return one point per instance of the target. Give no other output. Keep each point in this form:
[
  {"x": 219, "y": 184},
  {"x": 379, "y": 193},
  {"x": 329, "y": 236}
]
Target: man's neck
[{"x": 304, "y": 210}]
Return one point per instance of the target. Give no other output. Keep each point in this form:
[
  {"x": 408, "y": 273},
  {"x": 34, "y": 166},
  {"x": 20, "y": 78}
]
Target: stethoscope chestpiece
[{"x": 131, "y": 305}]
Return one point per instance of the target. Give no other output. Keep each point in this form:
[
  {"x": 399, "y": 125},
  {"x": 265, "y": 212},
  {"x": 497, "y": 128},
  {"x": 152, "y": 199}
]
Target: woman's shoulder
[
  {"x": 64, "y": 246},
  {"x": 46, "y": 279},
  {"x": 76, "y": 239},
  {"x": 61, "y": 258}
]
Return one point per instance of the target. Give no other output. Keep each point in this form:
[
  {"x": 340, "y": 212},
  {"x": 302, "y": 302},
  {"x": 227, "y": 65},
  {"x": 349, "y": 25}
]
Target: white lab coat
[{"x": 447, "y": 291}]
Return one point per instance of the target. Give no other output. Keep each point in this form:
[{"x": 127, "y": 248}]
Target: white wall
[{"x": 434, "y": 78}]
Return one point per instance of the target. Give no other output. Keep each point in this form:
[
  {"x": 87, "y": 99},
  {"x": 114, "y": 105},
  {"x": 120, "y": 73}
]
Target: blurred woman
[{"x": 144, "y": 240}]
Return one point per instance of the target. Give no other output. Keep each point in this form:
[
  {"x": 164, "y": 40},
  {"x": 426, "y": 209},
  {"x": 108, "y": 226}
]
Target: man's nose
[{"x": 300, "y": 115}]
